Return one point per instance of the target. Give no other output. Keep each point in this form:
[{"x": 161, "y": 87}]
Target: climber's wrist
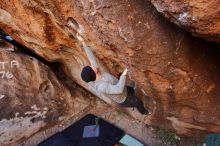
[{"x": 83, "y": 43}]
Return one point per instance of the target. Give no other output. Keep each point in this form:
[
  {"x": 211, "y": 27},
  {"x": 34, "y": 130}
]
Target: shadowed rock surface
[
  {"x": 200, "y": 17},
  {"x": 178, "y": 71},
  {"x": 31, "y": 97}
]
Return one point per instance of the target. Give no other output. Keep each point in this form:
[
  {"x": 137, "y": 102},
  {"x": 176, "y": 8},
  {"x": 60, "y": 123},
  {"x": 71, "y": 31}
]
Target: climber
[{"x": 104, "y": 83}]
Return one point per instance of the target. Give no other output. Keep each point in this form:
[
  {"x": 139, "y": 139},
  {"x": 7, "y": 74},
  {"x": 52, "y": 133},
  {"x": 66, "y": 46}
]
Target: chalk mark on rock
[{"x": 2, "y": 96}]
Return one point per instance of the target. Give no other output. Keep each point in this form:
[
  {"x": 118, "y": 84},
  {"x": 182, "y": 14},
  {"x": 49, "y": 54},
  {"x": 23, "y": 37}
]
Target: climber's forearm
[{"x": 90, "y": 55}]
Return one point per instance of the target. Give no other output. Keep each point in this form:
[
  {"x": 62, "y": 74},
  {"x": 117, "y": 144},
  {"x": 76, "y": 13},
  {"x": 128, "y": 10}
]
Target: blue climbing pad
[
  {"x": 130, "y": 141},
  {"x": 212, "y": 140}
]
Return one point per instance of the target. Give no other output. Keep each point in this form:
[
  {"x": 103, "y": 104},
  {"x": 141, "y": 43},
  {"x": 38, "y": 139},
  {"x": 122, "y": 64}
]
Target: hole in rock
[{"x": 72, "y": 23}]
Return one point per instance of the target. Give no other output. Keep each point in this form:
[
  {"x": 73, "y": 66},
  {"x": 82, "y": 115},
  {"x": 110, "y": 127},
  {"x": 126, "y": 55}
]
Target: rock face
[
  {"x": 30, "y": 97},
  {"x": 178, "y": 71},
  {"x": 200, "y": 17}
]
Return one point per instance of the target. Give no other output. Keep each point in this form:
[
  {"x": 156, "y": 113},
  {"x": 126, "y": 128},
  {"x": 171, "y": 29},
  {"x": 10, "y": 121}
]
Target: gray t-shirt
[{"x": 108, "y": 85}]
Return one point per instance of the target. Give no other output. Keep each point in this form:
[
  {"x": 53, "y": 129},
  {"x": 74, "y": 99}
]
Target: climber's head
[{"x": 88, "y": 74}]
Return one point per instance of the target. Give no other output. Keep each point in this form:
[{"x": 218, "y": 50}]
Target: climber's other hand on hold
[{"x": 125, "y": 72}]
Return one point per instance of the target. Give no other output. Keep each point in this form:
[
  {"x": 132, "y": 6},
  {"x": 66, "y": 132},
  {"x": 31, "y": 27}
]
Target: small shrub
[{"x": 167, "y": 137}]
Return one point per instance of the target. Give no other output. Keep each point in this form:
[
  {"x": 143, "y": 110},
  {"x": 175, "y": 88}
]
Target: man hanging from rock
[{"x": 110, "y": 86}]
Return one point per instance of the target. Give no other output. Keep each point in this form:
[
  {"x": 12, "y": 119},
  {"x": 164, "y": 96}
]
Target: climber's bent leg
[{"x": 132, "y": 101}]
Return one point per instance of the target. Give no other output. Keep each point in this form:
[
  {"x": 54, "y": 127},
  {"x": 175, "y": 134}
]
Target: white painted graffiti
[
  {"x": 13, "y": 63},
  {"x": 5, "y": 74}
]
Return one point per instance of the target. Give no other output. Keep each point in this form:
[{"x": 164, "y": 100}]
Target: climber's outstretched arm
[{"x": 89, "y": 53}]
